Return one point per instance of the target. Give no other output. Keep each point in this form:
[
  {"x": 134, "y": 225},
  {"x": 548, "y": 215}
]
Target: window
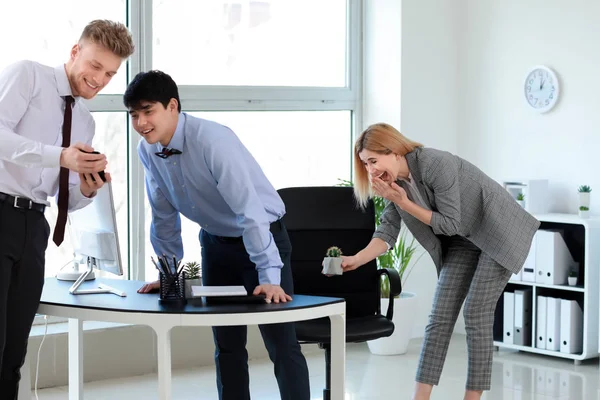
[
  {"x": 295, "y": 148},
  {"x": 253, "y": 43},
  {"x": 283, "y": 74},
  {"x": 48, "y": 29}
]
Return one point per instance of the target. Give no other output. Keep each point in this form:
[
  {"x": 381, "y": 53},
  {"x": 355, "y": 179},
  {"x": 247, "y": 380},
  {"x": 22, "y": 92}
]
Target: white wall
[
  {"x": 411, "y": 73},
  {"x": 498, "y": 130}
]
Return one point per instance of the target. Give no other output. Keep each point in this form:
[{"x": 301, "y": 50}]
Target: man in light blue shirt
[{"x": 202, "y": 170}]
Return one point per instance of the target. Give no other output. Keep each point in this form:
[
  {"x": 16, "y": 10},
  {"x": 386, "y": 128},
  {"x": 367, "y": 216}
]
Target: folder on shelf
[
  {"x": 552, "y": 324},
  {"x": 540, "y": 326},
  {"x": 522, "y": 328},
  {"x": 528, "y": 271},
  {"x": 509, "y": 318},
  {"x": 553, "y": 258},
  {"x": 571, "y": 327},
  {"x": 517, "y": 277}
]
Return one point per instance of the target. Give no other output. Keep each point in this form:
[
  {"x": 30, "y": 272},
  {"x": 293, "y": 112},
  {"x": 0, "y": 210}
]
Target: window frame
[{"x": 225, "y": 98}]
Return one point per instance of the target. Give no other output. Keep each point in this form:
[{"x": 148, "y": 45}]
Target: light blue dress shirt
[
  {"x": 32, "y": 109},
  {"x": 216, "y": 183}
]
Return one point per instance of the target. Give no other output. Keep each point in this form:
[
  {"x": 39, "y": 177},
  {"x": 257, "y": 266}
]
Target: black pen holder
[{"x": 172, "y": 290}]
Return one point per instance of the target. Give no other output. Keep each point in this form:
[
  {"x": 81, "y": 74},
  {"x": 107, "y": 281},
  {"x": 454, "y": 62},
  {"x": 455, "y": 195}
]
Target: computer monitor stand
[
  {"x": 73, "y": 273},
  {"x": 102, "y": 288}
]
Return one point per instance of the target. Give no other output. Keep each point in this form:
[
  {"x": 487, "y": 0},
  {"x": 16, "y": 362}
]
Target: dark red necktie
[{"x": 63, "y": 185}]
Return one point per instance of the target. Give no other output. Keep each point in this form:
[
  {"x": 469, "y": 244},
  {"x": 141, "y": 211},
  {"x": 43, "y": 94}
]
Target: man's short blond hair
[{"x": 114, "y": 36}]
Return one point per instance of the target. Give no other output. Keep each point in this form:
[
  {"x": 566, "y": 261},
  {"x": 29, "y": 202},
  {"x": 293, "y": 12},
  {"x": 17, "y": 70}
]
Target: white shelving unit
[{"x": 587, "y": 290}]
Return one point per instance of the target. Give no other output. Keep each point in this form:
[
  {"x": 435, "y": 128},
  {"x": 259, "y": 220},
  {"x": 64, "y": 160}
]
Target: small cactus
[
  {"x": 573, "y": 273},
  {"x": 334, "y": 252},
  {"x": 520, "y": 197},
  {"x": 584, "y": 208},
  {"x": 584, "y": 189}
]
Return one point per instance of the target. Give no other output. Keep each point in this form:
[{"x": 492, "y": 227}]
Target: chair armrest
[{"x": 395, "y": 288}]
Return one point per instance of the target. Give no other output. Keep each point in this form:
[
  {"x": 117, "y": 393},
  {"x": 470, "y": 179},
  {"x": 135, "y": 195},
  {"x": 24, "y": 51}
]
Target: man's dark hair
[{"x": 152, "y": 86}]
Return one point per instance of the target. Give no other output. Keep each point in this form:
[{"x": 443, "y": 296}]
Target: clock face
[{"x": 541, "y": 89}]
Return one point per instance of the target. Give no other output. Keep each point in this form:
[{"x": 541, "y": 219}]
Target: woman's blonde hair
[
  {"x": 113, "y": 36},
  {"x": 379, "y": 138}
]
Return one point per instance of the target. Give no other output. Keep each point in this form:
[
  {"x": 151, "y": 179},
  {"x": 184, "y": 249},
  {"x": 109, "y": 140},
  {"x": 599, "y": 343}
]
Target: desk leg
[
  {"x": 338, "y": 356},
  {"x": 75, "y": 359},
  {"x": 163, "y": 347},
  {"x": 25, "y": 383}
]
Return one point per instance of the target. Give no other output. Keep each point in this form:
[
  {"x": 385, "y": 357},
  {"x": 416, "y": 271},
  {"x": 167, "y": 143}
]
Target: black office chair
[{"x": 320, "y": 217}]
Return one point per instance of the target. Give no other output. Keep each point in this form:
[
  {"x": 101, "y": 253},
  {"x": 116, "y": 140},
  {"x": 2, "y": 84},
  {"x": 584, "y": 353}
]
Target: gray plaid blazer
[{"x": 464, "y": 202}]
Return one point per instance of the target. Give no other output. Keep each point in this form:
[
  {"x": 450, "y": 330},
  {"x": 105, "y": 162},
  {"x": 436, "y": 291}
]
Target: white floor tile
[{"x": 370, "y": 377}]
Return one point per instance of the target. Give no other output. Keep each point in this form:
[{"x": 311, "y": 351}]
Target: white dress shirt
[{"x": 31, "y": 117}]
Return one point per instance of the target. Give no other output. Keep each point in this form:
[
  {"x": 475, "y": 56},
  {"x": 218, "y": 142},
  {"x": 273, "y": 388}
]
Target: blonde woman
[{"x": 475, "y": 232}]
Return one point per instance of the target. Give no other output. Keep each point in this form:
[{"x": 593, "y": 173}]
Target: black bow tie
[{"x": 166, "y": 152}]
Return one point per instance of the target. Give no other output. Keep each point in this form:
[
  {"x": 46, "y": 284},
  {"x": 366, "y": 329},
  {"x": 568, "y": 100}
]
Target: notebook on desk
[{"x": 218, "y": 291}]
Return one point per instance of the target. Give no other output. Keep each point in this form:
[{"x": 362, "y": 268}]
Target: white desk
[{"x": 144, "y": 309}]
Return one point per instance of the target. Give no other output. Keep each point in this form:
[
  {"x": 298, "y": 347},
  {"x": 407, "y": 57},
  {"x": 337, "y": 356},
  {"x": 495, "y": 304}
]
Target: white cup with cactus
[
  {"x": 521, "y": 199},
  {"x": 193, "y": 272},
  {"x": 332, "y": 263},
  {"x": 584, "y": 196},
  {"x": 584, "y": 212},
  {"x": 572, "y": 278}
]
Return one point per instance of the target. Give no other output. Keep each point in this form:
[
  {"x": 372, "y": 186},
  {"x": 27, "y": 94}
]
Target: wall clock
[{"x": 541, "y": 88}]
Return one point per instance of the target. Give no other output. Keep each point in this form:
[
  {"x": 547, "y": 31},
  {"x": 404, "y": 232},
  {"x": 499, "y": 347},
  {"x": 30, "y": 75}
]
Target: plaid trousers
[{"x": 468, "y": 273}]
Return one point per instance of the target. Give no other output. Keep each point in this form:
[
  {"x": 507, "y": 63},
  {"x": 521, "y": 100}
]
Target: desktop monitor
[{"x": 95, "y": 241}]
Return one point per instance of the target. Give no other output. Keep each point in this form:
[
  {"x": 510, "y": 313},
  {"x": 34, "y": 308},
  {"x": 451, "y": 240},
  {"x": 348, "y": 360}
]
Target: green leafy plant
[
  {"x": 520, "y": 197},
  {"x": 192, "y": 270},
  {"x": 584, "y": 208},
  {"x": 400, "y": 256},
  {"x": 584, "y": 189},
  {"x": 334, "y": 251},
  {"x": 572, "y": 274}
]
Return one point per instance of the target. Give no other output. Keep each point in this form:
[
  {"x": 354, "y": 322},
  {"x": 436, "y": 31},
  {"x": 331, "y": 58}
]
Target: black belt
[
  {"x": 21, "y": 202},
  {"x": 275, "y": 227}
]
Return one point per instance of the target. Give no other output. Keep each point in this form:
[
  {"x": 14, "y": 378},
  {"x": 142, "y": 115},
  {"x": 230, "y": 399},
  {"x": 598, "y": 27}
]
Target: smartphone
[{"x": 101, "y": 173}]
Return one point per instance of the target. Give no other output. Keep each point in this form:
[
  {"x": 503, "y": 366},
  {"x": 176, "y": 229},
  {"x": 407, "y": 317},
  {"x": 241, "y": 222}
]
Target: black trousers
[
  {"x": 225, "y": 261},
  {"x": 23, "y": 241}
]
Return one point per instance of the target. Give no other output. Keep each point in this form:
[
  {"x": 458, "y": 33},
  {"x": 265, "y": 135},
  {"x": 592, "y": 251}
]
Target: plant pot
[
  {"x": 332, "y": 266},
  {"x": 188, "y": 286},
  {"x": 584, "y": 214},
  {"x": 584, "y": 199},
  {"x": 521, "y": 203},
  {"x": 403, "y": 319},
  {"x": 572, "y": 280}
]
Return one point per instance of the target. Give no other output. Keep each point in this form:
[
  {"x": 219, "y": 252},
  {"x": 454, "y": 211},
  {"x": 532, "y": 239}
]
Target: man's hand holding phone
[
  {"x": 89, "y": 164},
  {"x": 80, "y": 158}
]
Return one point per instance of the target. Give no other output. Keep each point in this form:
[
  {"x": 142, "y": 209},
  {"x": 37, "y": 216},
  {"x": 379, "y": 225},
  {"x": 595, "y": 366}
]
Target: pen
[{"x": 156, "y": 265}]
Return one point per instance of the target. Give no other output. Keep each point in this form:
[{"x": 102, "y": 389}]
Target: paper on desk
[{"x": 200, "y": 291}]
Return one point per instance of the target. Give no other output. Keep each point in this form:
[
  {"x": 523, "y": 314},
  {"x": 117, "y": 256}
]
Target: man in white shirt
[{"x": 41, "y": 114}]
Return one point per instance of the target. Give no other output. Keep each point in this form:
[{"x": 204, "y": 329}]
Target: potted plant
[
  {"x": 192, "y": 277},
  {"x": 572, "y": 278},
  {"x": 584, "y": 211},
  {"x": 332, "y": 263},
  {"x": 584, "y": 195},
  {"x": 521, "y": 199}
]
